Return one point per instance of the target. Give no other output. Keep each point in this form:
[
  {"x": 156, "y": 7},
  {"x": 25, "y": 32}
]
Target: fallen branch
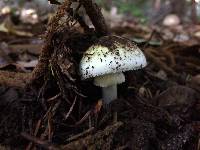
[{"x": 94, "y": 12}]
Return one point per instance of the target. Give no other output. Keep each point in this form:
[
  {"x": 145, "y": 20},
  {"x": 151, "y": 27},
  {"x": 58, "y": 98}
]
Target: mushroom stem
[
  {"x": 109, "y": 93},
  {"x": 108, "y": 83}
]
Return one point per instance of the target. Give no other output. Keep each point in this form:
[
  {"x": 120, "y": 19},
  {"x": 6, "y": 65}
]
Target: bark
[
  {"x": 48, "y": 49},
  {"x": 95, "y": 15}
]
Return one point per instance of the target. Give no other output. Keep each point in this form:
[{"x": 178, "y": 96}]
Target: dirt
[{"x": 157, "y": 107}]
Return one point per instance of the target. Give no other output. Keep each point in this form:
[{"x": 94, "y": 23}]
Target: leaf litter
[{"x": 158, "y": 107}]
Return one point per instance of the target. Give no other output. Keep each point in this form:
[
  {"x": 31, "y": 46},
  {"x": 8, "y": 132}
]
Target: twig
[
  {"x": 35, "y": 133},
  {"x": 54, "y": 97},
  {"x": 94, "y": 12},
  {"x": 39, "y": 142},
  {"x": 49, "y": 126},
  {"x": 71, "y": 108},
  {"x": 83, "y": 118},
  {"x": 80, "y": 19},
  {"x": 92, "y": 140},
  {"x": 80, "y": 134}
]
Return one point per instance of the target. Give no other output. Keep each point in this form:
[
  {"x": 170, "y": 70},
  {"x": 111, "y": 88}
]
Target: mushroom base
[{"x": 109, "y": 93}]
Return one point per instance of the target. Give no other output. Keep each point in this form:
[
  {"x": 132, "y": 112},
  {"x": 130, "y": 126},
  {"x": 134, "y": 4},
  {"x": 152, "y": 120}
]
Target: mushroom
[{"x": 107, "y": 59}]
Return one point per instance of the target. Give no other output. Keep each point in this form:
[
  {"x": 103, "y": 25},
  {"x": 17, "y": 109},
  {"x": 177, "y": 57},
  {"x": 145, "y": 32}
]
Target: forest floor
[{"x": 48, "y": 106}]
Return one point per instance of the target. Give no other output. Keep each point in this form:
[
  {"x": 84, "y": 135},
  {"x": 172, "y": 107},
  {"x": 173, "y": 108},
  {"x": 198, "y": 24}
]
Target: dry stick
[
  {"x": 71, "y": 108},
  {"x": 39, "y": 142},
  {"x": 95, "y": 15},
  {"x": 80, "y": 19},
  {"x": 35, "y": 133},
  {"x": 80, "y": 134},
  {"x": 84, "y": 118},
  {"x": 50, "y": 112},
  {"x": 54, "y": 98},
  {"x": 90, "y": 139},
  {"x": 50, "y": 132}
]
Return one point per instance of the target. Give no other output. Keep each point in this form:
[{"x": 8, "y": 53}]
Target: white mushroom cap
[
  {"x": 171, "y": 20},
  {"x": 111, "y": 54}
]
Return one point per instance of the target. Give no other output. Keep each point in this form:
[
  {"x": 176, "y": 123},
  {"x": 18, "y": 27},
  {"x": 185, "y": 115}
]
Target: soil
[{"x": 157, "y": 107}]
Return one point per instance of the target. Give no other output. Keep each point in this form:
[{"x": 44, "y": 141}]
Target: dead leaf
[{"x": 176, "y": 95}]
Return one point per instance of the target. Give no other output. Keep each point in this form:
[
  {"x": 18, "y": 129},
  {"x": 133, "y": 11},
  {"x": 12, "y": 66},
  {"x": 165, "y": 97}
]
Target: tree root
[
  {"x": 94, "y": 12},
  {"x": 47, "y": 48},
  {"x": 101, "y": 139}
]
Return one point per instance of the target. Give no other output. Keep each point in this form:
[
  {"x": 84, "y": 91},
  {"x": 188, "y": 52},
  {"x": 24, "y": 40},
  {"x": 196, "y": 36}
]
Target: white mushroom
[
  {"x": 106, "y": 61},
  {"x": 171, "y": 20}
]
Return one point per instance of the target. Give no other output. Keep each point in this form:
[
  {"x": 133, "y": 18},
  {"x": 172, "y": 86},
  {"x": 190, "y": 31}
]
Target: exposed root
[
  {"x": 94, "y": 12},
  {"x": 47, "y": 48}
]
